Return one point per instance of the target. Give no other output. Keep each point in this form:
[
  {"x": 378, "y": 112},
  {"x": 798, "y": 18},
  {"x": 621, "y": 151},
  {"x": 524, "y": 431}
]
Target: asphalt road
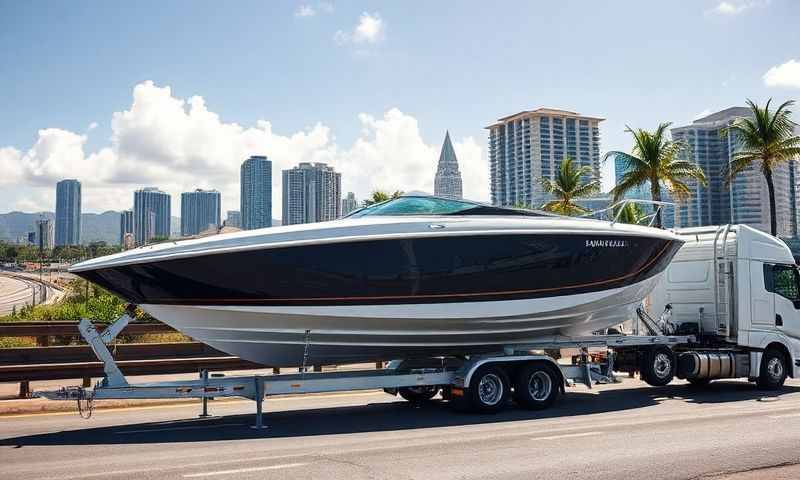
[
  {"x": 626, "y": 431},
  {"x": 17, "y": 291}
]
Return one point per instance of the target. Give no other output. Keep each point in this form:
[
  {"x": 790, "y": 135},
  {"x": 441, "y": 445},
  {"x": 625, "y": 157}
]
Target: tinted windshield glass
[
  {"x": 434, "y": 206},
  {"x": 415, "y": 206}
]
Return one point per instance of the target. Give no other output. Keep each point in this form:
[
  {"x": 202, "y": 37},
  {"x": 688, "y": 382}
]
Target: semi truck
[{"x": 728, "y": 306}]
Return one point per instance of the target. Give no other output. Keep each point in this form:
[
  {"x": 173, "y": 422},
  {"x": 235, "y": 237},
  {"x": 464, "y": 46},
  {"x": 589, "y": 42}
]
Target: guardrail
[{"x": 44, "y": 362}]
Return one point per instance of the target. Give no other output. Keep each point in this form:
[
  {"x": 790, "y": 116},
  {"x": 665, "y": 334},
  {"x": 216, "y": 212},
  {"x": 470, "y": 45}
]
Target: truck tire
[
  {"x": 772, "y": 373},
  {"x": 418, "y": 394},
  {"x": 488, "y": 391},
  {"x": 536, "y": 386},
  {"x": 658, "y": 365}
]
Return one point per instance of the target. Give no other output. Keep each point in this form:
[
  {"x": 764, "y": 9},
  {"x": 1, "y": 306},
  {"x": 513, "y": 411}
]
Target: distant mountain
[
  {"x": 94, "y": 226},
  {"x": 16, "y": 225},
  {"x": 100, "y": 227}
]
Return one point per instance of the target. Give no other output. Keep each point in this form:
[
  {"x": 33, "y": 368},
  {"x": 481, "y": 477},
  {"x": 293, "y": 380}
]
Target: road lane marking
[
  {"x": 167, "y": 429},
  {"x": 244, "y": 470},
  {"x": 568, "y": 435},
  {"x": 175, "y": 467}
]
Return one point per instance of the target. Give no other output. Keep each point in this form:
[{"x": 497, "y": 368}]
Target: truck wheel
[
  {"x": 488, "y": 390},
  {"x": 536, "y": 387},
  {"x": 658, "y": 365},
  {"x": 773, "y": 370},
  {"x": 418, "y": 394}
]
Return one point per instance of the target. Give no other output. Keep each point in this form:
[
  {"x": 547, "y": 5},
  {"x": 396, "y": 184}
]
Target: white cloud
[
  {"x": 785, "y": 75},
  {"x": 305, "y": 11},
  {"x": 92, "y": 126},
  {"x": 735, "y": 7},
  {"x": 369, "y": 29},
  {"x": 179, "y": 145}
]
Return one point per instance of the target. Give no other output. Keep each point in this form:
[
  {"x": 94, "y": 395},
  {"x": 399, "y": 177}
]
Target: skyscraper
[
  {"x": 530, "y": 145},
  {"x": 234, "y": 219},
  {"x": 311, "y": 193},
  {"x": 44, "y": 234},
  {"x": 68, "y": 212},
  {"x": 151, "y": 214},
  {"x": 447, "y": 182},
  {"x": 200, "y": 210},
  {"x": 125, "y": 225},
  {"x": 256, "y": 193},
  {"x": 745, "y": 200},
  {"x": 349, "y": 203}
]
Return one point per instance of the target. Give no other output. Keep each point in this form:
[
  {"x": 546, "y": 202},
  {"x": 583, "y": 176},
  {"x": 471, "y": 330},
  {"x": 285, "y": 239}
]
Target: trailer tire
[
  {"x": 658, "y": 365},
  {"x": 536, "y": 386},
  {"x": 488, "y": 391},
  {"x": 418, "y": 394},
  {"x": 772, "y": 373}
]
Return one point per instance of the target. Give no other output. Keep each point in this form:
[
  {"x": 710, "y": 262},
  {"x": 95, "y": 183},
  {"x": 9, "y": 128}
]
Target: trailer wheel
[
  {"x": 488, "y": 391},
  {"x": 536, "y": 387},
  {"x": 773, "y": 370},
  {"x": 418, "y": 394},
  {"x": 658, "y": 365}
]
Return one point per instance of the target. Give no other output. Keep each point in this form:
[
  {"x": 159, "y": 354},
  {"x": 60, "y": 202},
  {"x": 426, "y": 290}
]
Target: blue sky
[{"x": 382, "y": 93}]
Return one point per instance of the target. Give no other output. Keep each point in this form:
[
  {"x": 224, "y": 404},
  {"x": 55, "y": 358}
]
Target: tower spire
[{"x": 447, "y": 182}]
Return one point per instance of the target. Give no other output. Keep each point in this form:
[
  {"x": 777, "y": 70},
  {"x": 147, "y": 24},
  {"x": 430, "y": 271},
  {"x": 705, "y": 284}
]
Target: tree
[
  {"x": 567, "y": 186},
  {"x": 656, "y": 159},
  {"x": 766, "y": 140},
  {"x": 379, "y": 196},
  {"x": 629, "y": 213}
]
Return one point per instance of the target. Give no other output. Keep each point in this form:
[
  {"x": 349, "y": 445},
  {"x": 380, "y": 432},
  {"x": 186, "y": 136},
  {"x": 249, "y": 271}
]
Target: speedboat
[{"x": 413, "y": 276}]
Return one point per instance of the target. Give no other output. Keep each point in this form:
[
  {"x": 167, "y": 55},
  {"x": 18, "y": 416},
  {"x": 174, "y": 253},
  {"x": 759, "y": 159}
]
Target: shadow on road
[{"x": 392, "y": 416}]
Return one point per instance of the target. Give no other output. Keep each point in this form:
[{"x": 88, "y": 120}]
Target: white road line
[
  {"x": 167, "y": 429},
  {"x": 568, "y": 435},
  {"x": 244, "y": 470}
]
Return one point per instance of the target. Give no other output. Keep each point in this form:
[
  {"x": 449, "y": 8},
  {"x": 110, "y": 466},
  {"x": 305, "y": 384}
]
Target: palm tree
[
  {"x": 766, "y": 140},
  {"x": 567, "y": 186},
  {"x": 630, "y": 213},
  {"x": 656, "y": 159},
  {"x": 379, "y": 196}
]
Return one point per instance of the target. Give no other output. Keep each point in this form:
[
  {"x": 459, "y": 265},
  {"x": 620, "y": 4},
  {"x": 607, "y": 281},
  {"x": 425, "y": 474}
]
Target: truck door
[{"x": 785, "y": 284}]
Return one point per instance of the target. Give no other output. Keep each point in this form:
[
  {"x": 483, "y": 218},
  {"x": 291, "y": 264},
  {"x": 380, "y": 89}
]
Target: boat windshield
[{"x": 433, "y": 206}]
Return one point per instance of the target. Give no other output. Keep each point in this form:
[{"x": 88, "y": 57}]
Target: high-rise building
[
  {"x": 312, "y": 192},
  {"x": 68, "y": 212},
  {"x": 642, "y": 192},
  {"x": 529, "y": 146},
  {"x": 234, "y": 219},
  {"x": 447, "y": 182},
  {"x": 44, "y": 234},
  {"x": 745, "y": 200},
  {"x": 125, "y": 225},
  {"x": 152, "y": 214},
  {"x": 349, "y": 203},
  {"x": 200, "y": 210},
  {"x": 256, "y": 193}
]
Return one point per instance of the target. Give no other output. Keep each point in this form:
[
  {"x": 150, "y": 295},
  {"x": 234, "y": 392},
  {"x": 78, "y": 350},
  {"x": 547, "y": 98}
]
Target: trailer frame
[{"x": 437, "y": 373}]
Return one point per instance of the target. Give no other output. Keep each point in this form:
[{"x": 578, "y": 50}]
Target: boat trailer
[{"x": 114, "y": 384}]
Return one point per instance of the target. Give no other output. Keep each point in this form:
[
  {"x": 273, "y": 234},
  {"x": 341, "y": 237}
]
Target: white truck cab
[{"x": 735, "y": 288}]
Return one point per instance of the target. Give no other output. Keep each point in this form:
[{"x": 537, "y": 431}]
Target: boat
[{"x": 413, "y": 276}]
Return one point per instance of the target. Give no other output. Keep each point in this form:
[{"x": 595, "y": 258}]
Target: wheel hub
[
  {"x": 662, "y": 365},
  {"x": 539, "y": 386},
  {"x": 490, "y": 389},
  {"x": 775, "y": 368}
]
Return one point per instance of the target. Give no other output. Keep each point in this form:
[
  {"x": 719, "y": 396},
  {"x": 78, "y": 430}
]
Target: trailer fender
[{"x": 464, "y": 376}]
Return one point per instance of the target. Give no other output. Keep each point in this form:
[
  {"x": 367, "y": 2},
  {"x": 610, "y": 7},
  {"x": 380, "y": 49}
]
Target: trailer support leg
[{"x": 259, "y": 403}]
